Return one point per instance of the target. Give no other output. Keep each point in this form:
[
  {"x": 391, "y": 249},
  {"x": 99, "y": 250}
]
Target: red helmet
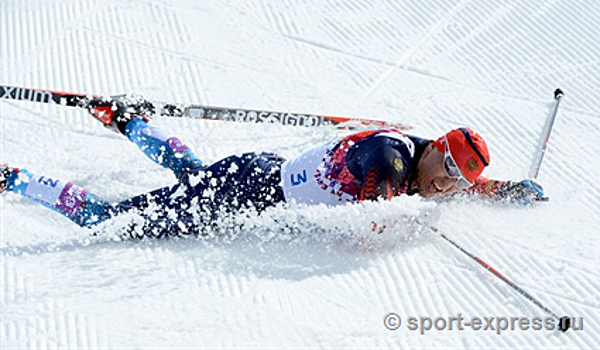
[{"x": 468, "y": 150}]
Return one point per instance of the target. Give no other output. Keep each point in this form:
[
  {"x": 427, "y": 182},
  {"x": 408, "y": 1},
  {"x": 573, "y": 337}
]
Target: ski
[
  {"x": 282, "y": 118},
  {"x": 44, "y": 96},
  {"x": 195, "y": 111}
]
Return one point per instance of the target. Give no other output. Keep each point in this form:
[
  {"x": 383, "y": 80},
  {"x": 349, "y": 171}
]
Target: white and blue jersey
[{"x": 361, "y": 166}]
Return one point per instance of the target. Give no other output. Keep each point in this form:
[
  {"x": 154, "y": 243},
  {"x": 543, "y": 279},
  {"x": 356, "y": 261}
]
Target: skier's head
[{"x": 452, "y": 163}]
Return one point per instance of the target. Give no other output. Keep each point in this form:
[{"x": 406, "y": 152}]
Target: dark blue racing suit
[{"x": 362, "y": 166}]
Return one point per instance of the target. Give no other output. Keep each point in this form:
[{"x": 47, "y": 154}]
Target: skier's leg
[
  {"x": 126, "y": 118},
  {"x": 250, "y": 180},
  {"x": 72, "y": 201},
  {"x": 168, "y": 211},
  {"x": 162, "y": 148}
]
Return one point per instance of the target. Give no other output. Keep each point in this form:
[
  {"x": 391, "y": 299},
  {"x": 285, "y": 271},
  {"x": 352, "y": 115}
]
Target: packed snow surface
[{"x": 304, "y": 277}]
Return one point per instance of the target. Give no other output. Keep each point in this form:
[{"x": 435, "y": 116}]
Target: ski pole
[
  {"x": 537, "y": 163},
  {"x": 564, "y": 321}
]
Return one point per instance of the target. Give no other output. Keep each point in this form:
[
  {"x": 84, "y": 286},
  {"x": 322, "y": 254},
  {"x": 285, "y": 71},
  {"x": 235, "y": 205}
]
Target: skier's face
[{"x": 432, "y": 179}]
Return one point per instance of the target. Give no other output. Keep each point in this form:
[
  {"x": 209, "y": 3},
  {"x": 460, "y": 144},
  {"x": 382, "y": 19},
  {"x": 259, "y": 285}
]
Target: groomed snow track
[{"x": 435, "y": 64}]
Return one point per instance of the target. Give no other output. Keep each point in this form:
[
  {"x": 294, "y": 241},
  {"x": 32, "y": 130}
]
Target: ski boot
[
  {"x": 5, "y": 173},
  {"x": 116, "y": 112}
]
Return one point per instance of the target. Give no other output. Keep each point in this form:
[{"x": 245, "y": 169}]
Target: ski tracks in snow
[{"x": 436, "y": 65}]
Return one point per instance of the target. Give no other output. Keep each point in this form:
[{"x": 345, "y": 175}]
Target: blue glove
[
  {"x": 525, "y": 192},
  {"x": 534, "y": 189}
]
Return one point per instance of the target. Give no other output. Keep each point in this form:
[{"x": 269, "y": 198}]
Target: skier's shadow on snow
[
  {"x": 288, "y": 241},
  {"x": 292, "y": 259},
  {"x": 283, "y": 260}
]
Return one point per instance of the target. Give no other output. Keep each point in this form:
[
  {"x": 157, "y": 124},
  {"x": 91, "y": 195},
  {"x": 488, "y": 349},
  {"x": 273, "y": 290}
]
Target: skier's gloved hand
[{"x": 525, "y": 192}]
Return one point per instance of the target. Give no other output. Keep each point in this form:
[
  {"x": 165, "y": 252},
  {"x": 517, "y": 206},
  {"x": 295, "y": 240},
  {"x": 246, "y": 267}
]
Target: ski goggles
[{"x": 453, "y": 171}]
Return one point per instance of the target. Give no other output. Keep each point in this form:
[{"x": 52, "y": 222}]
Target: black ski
[
  {"x": 43, "y": 96},
  {"x": 200, "y": 111}
]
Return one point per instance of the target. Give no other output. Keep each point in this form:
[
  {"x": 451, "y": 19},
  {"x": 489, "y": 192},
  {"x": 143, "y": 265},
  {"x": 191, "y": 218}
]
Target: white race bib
[{"x": 302, "y": 178}]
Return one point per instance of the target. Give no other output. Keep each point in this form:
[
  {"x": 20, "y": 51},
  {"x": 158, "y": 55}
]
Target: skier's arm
[
  {"x": 383, "y": 174},
  {"x": 523, "y": 192}
]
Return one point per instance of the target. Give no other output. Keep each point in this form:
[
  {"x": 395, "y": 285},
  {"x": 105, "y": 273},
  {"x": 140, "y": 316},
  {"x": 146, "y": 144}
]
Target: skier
[{"x": 369, "y": 165}]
